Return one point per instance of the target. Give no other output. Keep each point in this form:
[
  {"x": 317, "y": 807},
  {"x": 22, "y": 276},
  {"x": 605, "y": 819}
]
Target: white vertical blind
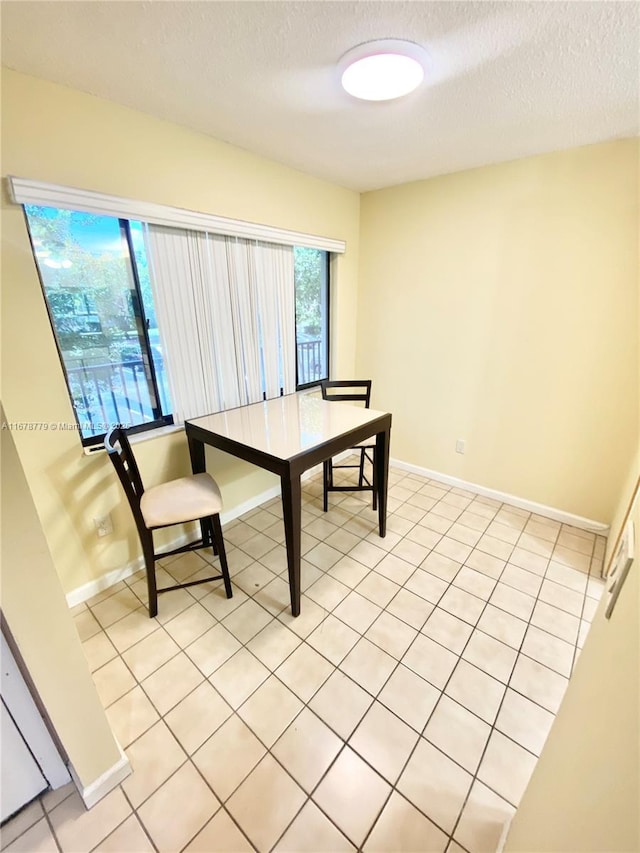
[{"x": 226, "y": 317}]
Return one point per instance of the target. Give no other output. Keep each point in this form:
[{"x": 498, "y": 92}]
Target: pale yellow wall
[
  {"x": 584, "y": 794},
  {"x": 36, "y": 611},
  {"x": 58, "y": 135},
  {"x": 499, "y": 306}
]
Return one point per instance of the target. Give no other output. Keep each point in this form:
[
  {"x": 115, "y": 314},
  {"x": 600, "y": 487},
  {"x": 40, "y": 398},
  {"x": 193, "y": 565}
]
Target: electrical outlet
[
  {"x": 104, "y": 525},
  {"x": 460, "y": 445}
]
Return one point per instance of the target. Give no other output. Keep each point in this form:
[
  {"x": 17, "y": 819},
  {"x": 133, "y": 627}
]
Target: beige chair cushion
[{"x": 181, "y": 500}]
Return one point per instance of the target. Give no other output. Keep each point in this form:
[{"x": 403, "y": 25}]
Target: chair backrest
[
  {"x": 117, "y": 446},
  {"x": 347, "y": 390}
]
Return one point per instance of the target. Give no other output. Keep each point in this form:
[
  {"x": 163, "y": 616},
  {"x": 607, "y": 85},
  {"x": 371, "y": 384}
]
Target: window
[
  {"x": 311, "y": 268},
  {"x": 96, "y": 278}
]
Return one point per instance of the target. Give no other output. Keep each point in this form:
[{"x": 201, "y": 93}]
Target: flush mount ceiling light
[{"x": 383, "y": 70}]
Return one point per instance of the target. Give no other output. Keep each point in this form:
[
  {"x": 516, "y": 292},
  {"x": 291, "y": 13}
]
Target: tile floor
[{"x": 403, "y": 710}]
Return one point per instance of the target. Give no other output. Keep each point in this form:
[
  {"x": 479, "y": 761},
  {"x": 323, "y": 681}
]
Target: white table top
[{"x": 287, "y": 426}]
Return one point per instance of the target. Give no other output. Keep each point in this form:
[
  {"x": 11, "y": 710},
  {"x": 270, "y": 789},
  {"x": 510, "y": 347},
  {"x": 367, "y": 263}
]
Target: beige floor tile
[
  {"x": 464, "y": 534},
  {"x": 253, "y": 578},
  {"x": 548, "y": 650},
  {"x": 149, "y": 654},
  {"x": 524, "y": 721},
  {"x": 503, "y": 532},
  {"x": 341, "y": 703},
  {"x": 502, "y": 626},
  {"x": 391, "y": 635},
  {"x": 53, "y": 798},
  {"x": 78, "y": 829},
  {"x": 131, "y": 715},
  {"x": 154, "y": 757},
  {"x": 220, "y": 835},
  {"x": 453, "y": 549},
  {"x": 311, "y": 615},
  {"x": 556, "y": 622},
  {"x": 458, "y": 733},
  {"x": 543, "y": 528},
  {"x": 427, "y": 586},
  {"x": 595, "y": 587},
  {"x": 172, "y": 682},
  {"x": 491, "y": 655},
  {"x": 570, "y": 558},
  {"x": 178, "y": 810},
  {"x": 535, "y": 544},
  {"x": 307, "y": 749},
  {"x": 36, "y": 839},
  {"x": 506, "y": 768},
  {"x": 342, "y": 540},
  {"x": 304, "y": 671},
  {"x": 483, "y": 820},
  {"x": 270, "y": 709},
  {"x": 561, "y": 597},
  {"x": 357, "y": 612},
  {"x": 178, "y": 600},
  {"x": 512, "y": 601},
  {"x": 448, "y": 630},
  {"x": 112, "y": 681},
  {"x": 228, "y": 756},
  {"x": 135, "y": 627},
  {"x": 410, "y": 608},
  {"x": 521, "y": 579},
  {"x": 273, "y": 644},
  {"x": 349, "y": 571},
  {"x": 367, "y": 553},
  {"x": 129, "y": 837},
  {"x": 327, "y": 592},
  {"x": 197, "y": 716},
  {"x": 462, "y": 604},
  {"x": 527, "y": 560},
  {"x": 495, "y": 547},
  {"x": 21, "y": 822},
  {"x": 430, "y": 660},
  {"x": 424, "y": 535},
  {"x": 217, "y": 603},
  {"x": 476, "y": 583},
  {"x": 245, "y": 622},
  {"x": 110, "y": 609},
  {"x": 236, "y": 679},
  {"x": 312, "y": 832},
  {"x": 265, "y": 803},
  {"x": 476, "y": 690},
  {"x": 486, "y": 564},
  {"x": 212, "y": 649},
  {"x": 185, "y": 565},
  {"x": 384, "y": 741},
  {"x": 538, "y": 683},
  {"x": 333, "y": 639},
  {"x": 409, "y": 697},
  {"x": 435, "y": 784},
  {"x": 368, "y": 666},
  {"x": 569, "y": 576},
  {"x": 589, "y": 609},
  {"x": 474, "y": 520},
  {"x": 98, "y": 650},
  {"x": 86, "y": 624},
  {"x": 189, "y": 625},
  {"x": 274, "y": 597},
  {"x": 401, "y": 827},
  {"x": 402, "y": 562},
  {"x": 377, "y": 589},
  {"x": 352, "y": 794}
]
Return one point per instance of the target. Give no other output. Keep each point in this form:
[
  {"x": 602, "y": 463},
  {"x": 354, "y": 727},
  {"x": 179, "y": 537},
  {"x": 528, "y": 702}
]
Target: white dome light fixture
[{"x": 382, "y": 70}]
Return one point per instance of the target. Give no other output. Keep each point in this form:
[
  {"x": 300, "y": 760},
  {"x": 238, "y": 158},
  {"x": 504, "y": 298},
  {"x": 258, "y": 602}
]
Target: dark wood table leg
[
  {"x": 292, "y": 513},
  {"x": 382, "y": 478},
  {"x": 199, "y": 466}
]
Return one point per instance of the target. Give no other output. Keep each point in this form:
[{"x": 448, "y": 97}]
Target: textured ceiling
[{"x": 505, "y": 80}]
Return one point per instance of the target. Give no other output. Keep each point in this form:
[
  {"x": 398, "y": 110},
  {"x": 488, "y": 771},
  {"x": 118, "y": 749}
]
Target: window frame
[
  {"x": 161, "y": 420},
  {"x": 316, "y": 382}
]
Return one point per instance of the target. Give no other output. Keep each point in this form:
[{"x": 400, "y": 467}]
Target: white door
[{"x": 21, "y": 778}]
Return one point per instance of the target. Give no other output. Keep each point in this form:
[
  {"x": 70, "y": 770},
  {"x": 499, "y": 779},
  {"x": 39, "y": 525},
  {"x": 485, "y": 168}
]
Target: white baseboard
[
  {"x": 101, "y": 786},
  {"x": 530, "y": 506}
]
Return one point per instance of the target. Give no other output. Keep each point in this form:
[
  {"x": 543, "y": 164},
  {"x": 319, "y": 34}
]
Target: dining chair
[
  {"x": 350, "y": 391},
  {"x": 193, "y": 498}
]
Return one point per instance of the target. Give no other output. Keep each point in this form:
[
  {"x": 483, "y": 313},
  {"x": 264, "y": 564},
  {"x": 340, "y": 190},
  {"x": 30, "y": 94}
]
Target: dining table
[{"x": 288, "y": 435}]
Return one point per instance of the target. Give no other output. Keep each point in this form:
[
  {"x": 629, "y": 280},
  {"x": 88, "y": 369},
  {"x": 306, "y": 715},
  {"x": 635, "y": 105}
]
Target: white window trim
[{"x": 26, "y": 191}]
